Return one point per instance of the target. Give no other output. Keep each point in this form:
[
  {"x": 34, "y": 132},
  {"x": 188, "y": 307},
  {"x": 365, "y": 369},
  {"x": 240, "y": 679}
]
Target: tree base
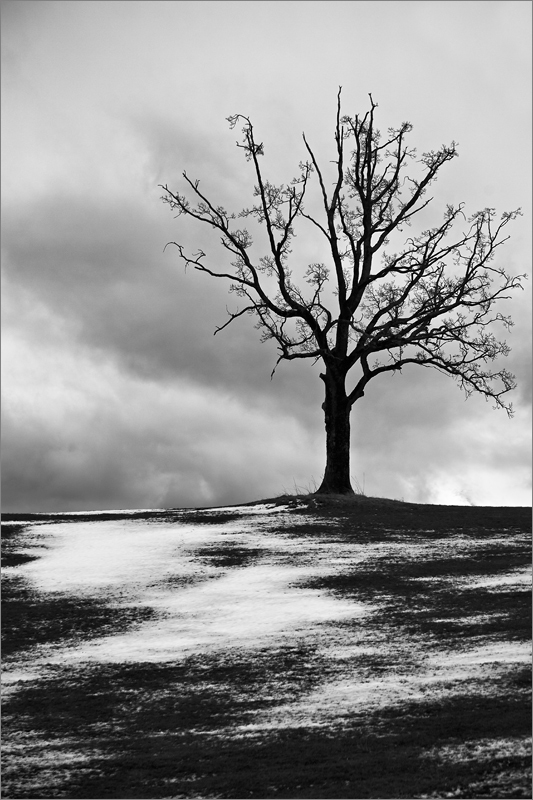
[{"x": 330, "y": 487}]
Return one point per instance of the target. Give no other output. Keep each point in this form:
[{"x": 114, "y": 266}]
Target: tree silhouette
[{"x": 430, "y": 303}]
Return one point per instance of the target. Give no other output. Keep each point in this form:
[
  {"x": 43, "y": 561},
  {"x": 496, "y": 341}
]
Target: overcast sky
[{"x": 115, "y": 392}]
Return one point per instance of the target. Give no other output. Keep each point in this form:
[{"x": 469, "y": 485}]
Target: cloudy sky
[{"x": 115, "y": 392}]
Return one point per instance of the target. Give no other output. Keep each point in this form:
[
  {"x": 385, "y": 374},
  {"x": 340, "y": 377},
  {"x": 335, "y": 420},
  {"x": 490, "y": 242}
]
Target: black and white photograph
[{"x": 266, "y": 398}]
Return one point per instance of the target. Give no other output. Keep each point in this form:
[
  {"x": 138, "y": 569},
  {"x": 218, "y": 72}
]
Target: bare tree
[{"x": 431, "y": 303}]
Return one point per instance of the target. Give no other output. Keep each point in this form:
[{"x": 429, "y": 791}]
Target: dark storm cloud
[{"x": 103, "y": 269}]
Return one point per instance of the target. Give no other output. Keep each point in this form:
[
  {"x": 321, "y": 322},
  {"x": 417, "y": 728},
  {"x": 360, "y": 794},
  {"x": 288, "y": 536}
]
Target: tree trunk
[{"x": 337, "y": 419}]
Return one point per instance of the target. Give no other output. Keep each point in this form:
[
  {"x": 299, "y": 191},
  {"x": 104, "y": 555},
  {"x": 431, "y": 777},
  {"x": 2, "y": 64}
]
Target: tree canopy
[{"x": 433, "y": 302}]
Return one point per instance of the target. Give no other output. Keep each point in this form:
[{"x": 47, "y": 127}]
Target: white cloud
[{"x": 87, "y": 435}]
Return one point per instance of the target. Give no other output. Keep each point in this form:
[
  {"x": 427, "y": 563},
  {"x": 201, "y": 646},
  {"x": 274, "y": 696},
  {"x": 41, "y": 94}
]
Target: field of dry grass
[{"x": 298, "y": 648}]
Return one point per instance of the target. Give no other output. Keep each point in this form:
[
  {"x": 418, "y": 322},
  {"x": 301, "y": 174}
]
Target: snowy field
[{"x": 247, "y": 585}]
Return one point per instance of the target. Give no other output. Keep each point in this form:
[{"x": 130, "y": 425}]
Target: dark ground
[{"x": 170, "y": 730}]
